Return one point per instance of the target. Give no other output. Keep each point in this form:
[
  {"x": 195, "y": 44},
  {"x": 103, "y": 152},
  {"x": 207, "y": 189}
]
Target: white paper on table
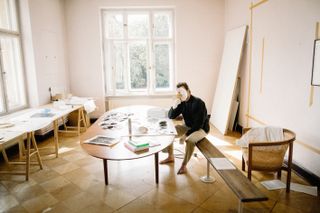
[
  {"x": 222, "y": 164},
  {"x": 273, "y": 184},
  {"x": 9, "y": 135},
  {"x": 311, "y": 190},
  {"x": 152, "y": 128},
  {"x": 157, "y": 112},
  {"x": 89, "y": 106}
]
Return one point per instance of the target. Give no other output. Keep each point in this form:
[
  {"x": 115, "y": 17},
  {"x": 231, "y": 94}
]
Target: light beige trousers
[{"x": 191, "y": 141}]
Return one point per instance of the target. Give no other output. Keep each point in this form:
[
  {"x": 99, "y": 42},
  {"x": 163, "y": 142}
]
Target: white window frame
[
  {"x": 12, "y": 34},
  {"x": 109, "y": 78}
]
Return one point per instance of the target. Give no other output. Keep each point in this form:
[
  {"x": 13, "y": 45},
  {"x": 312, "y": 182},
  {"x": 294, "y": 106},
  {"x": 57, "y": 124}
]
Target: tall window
[
  {"x": 12, "y": 87},
  {"x": 138, "y": 50}
]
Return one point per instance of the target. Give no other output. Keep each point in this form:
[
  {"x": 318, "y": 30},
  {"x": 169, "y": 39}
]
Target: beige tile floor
[{"x": 74, "y": 182}]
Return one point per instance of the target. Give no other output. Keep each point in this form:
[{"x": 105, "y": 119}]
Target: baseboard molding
[{"x": 305, "y": 174}]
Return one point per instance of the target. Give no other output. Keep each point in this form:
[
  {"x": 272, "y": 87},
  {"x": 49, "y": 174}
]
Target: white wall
[
  {"x": 28, "y": 53},
  {"x": 288, "y": 27},
  {"x": 48, "y": 43},
  {"x": 199, "y": 41}
]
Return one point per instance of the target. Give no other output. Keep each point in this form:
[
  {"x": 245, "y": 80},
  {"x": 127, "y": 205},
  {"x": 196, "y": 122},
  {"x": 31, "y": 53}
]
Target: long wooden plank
[{"x": 245, "y": 190}]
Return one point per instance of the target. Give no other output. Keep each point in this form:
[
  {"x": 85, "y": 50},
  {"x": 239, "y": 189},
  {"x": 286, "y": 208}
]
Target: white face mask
[{"x": 183, "y": 93}]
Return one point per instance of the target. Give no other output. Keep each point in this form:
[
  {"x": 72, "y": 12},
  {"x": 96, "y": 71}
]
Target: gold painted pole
[
  {"x": 256, "y": 120},
  {"x": 262, "y": 62},
  {"x": 257, "y": 4},
  {"x": 311, "y": 96},
  {"x": 252, "y": 6},
  {"x": 250, "y": 65}
]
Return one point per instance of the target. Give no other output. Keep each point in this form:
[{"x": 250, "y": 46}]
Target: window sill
[
  {"x": 137, "y": 96},
  {"x": 16, "y": 110}
]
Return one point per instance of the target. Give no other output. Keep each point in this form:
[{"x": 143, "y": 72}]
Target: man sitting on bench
[{"x": 196, "y": 121}]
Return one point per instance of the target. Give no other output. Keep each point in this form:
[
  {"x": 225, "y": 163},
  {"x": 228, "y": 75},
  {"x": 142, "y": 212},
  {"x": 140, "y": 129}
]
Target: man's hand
[
  {"x": 178, "y": 95},
  {"x": 176, "y": 103}
]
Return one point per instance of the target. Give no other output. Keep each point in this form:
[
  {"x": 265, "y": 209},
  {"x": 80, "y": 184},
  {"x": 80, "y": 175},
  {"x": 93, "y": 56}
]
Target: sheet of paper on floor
[
  {"x": 277, "y": 184},
  {"x": 222, "y": 164},
  {"x": 273, "y": 184},
  {"x": 311, "y": 190}
]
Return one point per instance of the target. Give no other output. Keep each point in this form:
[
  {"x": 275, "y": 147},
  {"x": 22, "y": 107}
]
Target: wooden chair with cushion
[{"x": 269, "y": 156}]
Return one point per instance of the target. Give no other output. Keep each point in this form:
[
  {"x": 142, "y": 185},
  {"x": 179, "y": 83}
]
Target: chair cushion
[{"x": 261, "y": 134}]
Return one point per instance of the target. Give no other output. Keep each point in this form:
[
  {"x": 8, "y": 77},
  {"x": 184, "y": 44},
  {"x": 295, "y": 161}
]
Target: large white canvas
[{"x": 227, "y": 79}]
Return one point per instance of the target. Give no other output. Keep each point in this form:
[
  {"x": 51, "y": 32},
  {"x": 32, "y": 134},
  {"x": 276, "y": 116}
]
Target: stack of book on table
[{"x": 137, "y": 145}]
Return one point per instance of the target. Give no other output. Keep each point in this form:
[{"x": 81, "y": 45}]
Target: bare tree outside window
[
  {"x": 162, "y": 65},
  {"x": 114, "y": 25},
  {"x": 138, "y": 66},
  {"x": 162, "y": 25},
  {"x": 138, "y": 26},
  {"x": 119, "y": 53}
]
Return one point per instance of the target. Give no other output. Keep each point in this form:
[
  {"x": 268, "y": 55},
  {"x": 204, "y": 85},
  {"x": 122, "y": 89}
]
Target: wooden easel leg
[
  {"x": 79, "y": 122},
  {"x": 56, "y": 137},
  {"x": 4, "y": 154},
  {"x": 84, "y": 119},
  {"x": 34, "y": 143},
  {"x": 22, "y": 149},
  {"x": 29, "y": 135},
  {"x": 64, "y": 123}
]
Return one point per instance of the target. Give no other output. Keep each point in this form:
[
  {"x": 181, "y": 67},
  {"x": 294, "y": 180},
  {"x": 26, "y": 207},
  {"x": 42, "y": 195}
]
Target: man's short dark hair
[{"x": 184, "y": 85}]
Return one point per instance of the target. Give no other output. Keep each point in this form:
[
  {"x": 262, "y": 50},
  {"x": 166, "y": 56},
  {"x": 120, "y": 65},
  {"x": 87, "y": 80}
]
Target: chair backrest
[
  {"x": 269, "y": 155},
  {"x": 289, "y": 137}
]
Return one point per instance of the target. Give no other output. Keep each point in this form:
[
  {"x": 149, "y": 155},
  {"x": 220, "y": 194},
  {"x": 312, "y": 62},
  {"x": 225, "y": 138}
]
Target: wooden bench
[{"x": 244, "y": 189}]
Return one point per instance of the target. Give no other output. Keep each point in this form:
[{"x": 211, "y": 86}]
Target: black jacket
[{"x": 194, "y": 113}]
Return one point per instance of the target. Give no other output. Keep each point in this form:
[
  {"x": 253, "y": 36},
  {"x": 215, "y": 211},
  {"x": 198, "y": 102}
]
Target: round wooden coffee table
[{"x": 119, "y": 152}]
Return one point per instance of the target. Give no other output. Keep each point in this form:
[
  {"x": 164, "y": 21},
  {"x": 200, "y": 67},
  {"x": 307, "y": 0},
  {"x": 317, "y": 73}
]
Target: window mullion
[
  {"x": 127, "y": 62},
  {"x": 9, "y": 32},
  {"x": 113, "y": 68},
  {"x": 2, "y": 84},
  {"x": 152, "y": 56},
  {"x": 150, "y": 53}
]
